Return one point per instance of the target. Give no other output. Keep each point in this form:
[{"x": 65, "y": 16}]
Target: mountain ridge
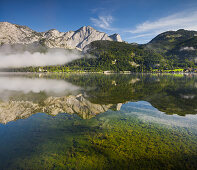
[
  {"x": 169, "y": 39},
  {"x": 79, "y": 39}
]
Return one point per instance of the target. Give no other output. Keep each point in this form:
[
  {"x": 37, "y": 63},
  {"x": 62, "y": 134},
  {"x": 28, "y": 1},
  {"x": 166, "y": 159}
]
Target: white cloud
[
  {"x": 103, "y": 21},
  {"x": 182, "y": 20}
]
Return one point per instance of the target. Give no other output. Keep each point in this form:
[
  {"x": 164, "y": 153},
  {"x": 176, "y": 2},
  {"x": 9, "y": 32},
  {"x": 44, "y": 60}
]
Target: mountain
[
  {"x": 16, "y": 34},
  {"x": 116, "y": 37},
  {"x": 167, "y": 51},
  {"x": 170, "y": 39},
  {"x": 116, "y": 56},
  {"x": 180, "y": 46},
  {"x": 13, "y": 34},
  {"x": 185, "y": 50}
]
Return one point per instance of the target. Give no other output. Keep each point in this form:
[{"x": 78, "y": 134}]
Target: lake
[{"x": 97, "y": 121}]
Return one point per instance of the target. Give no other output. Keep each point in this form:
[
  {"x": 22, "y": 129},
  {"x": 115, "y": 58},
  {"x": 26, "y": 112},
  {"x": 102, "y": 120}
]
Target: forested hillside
[{"x": 172, "y": 50}]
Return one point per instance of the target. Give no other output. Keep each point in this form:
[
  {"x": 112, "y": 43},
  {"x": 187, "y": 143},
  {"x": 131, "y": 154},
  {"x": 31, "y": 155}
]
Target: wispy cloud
[
  {"x": 103, "y": 21},
  {"x": 95, "y": 10},
  {"x": 141, "y": 36},
  {"x": 182, "y": 20},
  {"x": 187, "y": 20}
]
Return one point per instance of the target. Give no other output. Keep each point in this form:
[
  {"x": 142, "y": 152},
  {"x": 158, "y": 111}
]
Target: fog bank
[{"x": 18, "y": 58}]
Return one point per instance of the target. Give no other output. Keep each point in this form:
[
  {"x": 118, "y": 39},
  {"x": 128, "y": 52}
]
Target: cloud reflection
[{"x": 36, "y": 85}]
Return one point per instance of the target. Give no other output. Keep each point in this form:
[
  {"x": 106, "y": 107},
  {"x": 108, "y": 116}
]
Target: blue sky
[{"x": 135, "y": 20}]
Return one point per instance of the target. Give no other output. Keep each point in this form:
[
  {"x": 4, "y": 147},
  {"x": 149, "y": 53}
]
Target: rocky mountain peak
[
  {"x": 16, "y": 34},
  {"x": 86, "y": 28},
  {"x": 116, "y": 37},
  {"x": 53, "y": 33}
]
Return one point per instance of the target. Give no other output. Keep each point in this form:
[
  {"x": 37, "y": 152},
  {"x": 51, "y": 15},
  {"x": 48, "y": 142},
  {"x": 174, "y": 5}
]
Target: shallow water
[{"x": 96, "y": 121}]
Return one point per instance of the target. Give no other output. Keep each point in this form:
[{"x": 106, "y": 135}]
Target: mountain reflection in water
[
  {"x": 171, "y": 94},
  {"x": 90, "y": 94}
]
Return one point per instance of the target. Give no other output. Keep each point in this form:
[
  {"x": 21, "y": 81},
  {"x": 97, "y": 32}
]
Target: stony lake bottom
[{"x": 97, "y": 121}]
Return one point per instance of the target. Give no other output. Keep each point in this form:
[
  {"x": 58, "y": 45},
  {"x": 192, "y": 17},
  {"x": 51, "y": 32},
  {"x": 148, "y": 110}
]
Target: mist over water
[{"x": 13, "y": 57}]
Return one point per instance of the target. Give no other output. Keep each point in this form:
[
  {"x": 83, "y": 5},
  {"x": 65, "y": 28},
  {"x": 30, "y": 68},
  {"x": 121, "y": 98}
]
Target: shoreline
[{"x": 104, "y": 73}]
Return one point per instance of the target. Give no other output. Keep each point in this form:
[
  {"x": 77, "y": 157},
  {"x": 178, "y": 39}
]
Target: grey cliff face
[{"x": 16, "y": 34}]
